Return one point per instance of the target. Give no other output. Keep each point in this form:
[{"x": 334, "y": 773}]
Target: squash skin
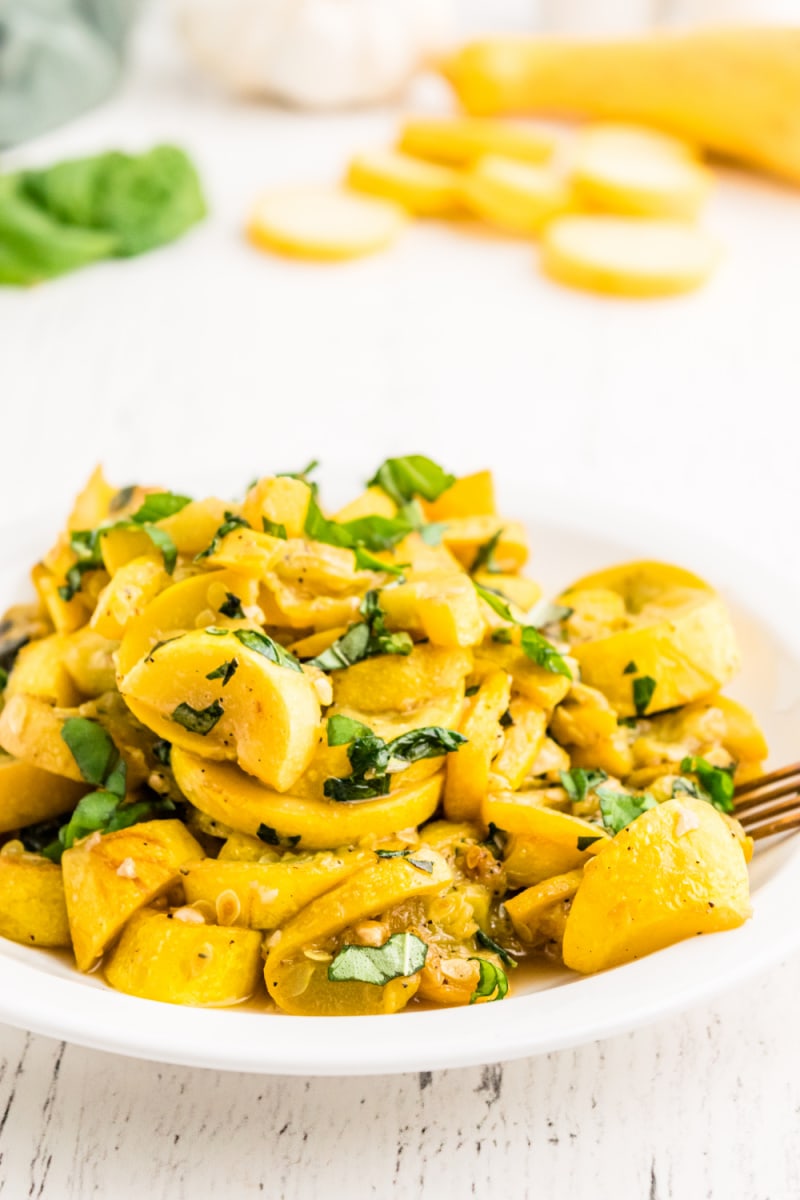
[
  {"x": 676, "y": 871},
  {"x": 160, "y": 957},
  {"x": 733, "y": 91}
]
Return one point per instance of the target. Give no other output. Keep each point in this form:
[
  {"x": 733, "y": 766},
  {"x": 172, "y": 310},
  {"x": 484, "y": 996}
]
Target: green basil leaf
[
  {"x": 122, "y": 498},
  {"x": 496, "y": 601},
  {"x": 162, "y": 750},
  {"x": 355, "y": 787},
  {"x": 542, "y": 652},
  {"x": 393, "y": 853},
  {"x": 232, "y": 607},
  {"x": 3, "y": 678},
  {"x": 198, "y": 720},
  {"x": 631, "y": 669},
  {"x": 264, "y": 645},
  {"x": 402, "y": 955},
  {"x": 492, "y": 983},
  {"x": 643, "y": 688},
  {"x": 586, "y": 841},
  {"x": 484, "y": 560},
  {"x": 158, "y": 505},
  {"x": 412, "y": 475},
  {"x": 341, "y": 730},
  {"x": 368, "y": 562},
  {"x": 231, "y": 522},
  {"x": 350, "y": 648},
  {"x": 422, "y": 864},
  {"x": 272, "y": 838},
  {"x": 104, "y": 812},
  {"x": 618, "y": 809},
  {"x": 578, "y": 782},
  {"x": 716, "y": 783},
  {"x": 546, "y": 613},
  {"x": 225, "y": 671},
  {"x": 473, "y": 690},
  {"x": 164, "y": 543},
  {"x": 431, "y": 741},
  {"x": 488, "y": 943},
  {"x": 93, "y": 749},
  {"x": 274, "y": 528}
]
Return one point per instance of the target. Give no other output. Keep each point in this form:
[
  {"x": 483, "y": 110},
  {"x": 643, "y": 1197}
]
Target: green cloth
[{"x": 58, "y": 58}]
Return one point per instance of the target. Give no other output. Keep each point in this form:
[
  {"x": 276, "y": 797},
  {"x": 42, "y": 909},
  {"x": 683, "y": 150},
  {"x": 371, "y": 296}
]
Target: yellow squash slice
[
  {"x": 424, "y": 188},
  {"x": 324, "y": 223}
]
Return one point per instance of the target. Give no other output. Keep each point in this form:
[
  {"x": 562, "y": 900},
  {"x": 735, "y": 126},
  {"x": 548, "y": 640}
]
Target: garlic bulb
[{"x": 314, "y": 53}]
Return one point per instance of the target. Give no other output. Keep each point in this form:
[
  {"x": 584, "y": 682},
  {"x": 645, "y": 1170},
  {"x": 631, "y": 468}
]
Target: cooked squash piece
[
  {"x": 323, "y": 223},
  {"x": 93, "y": 503},
  {"x": 743, "y": 738},
  {"x": 467, "y": 772},
  {"x": 127, "y": 594},
  {"x": 122, "y": 545},
  {"x": 190, "y": 604},
  {"x": 265, "y": 895},
  {"x": 279, "y": 500},
  {"x": 373, "y": 502},
  {"x": 465, "y": 536},
  {"x": 193, "y": 527},
  {"x": 546, "y": 842},
  {"x": 39, "y": 670},
  {"x": 224, "y": 792},
  {"x": 368, "y": 893},
  {"x": 522, "y": 740},
  {"x": 517, "y": 589},
  {"x": 676, "y": 871},
  {"x": 443, "y": 609},
  {"x": 29, "y": 795},
  {"x": 423, "y": 188},
  {"x": 90, "y": 660},
  {"x": 30, "y": 730},
  {"x": 583, "y": 717},
  {"x": 539, "y": 913},
  {"x": 109, "y": 877},
  {"x": 674, "y": 631},
  {"x": 66, "y": 615},
  {"x": 545, "y": 688},
  {"x": 215, "y": 695},
  {"x": 392, "y": 682},
  {"x": 161, "y": 957},
  {"x": 470, "y": 496},
  {"x": 32, "y": 907}
]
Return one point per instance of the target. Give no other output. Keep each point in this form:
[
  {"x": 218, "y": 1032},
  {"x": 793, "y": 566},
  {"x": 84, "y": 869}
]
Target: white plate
[{"x": 41, "y": 992}]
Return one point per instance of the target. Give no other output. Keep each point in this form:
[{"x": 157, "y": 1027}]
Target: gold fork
[{"x": 771, "y": 803}]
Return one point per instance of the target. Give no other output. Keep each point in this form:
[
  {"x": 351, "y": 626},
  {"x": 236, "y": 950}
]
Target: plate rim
[{"x": 579, "y": 1011}]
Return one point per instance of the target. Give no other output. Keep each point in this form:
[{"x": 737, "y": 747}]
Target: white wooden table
[{"x": 210, "y": 357}]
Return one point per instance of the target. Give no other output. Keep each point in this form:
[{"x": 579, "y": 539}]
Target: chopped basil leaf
[
  {"x": 393, "y": 853},
  {"x": 104, "y": 812},
  {"x": 504, "y": 635},
  {"x": 301, "y": 475},
  {"x": 492, "y": 983},
  {"x": 159, "y": 505},
  {"x": 578, "y": 782},
  {"x": 164, "y": 543},
  {"x": 643, "y": 688},
  {"x": 368, "y": 562},
  {"x": 495, "y": 601},
  {"x": 373, "y": 760},
  {"x": 545, "y": 613},
  {"x": 542, "y": 652},
  {"x": 99, "y": 761},
  {"x": 158, "y": 645},
  {"x": 506, "y": 720},
  {"x": 198, "y": 720},
  {"x": 122, "y": 498},
  {"x": 74, "y": 578},
  {"x": 618, "y": 809},
  {"x": 274, "y": 528},
  {"x": 355, "y": 787},
  {"x": 496, "y": 840},
  {"x": 367, "y": 639},
  {"x": 225, "y": 671},
  {"x": 422, "y": 864},
  {"x": 232, "y": 607},
  {"x": 264, "y": 645},
  {"x": 488, "y": 943},
  {"x": 631, "y": 669},
  {"x": 403, "y": 954},
  {"x": 484, "y": 559},
  {"x": 685, "y": 787},
  {"x": 585, "y": 842},
  {"x": 412, "y": 475},
  {"x": 3, "y": 678},
  {"x": 214, "y": 630},
  {"x": 162, "y": 750},
  {"x": 716, "y": 783},
  {"x": 473, "y": 690},
  {"x": 341, "y": 730},
  {"x": 272, "y": 838},
  {"x": 231, "y": 522},
  {"x": 628, "y": 722},
  {"x": 433, "y": 533}
]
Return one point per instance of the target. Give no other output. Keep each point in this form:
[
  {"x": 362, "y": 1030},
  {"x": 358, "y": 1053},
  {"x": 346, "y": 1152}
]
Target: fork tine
[
  {"x": 765, "y": 795},
  {"x": 793, "y": 770},
  {"x": 768, "y": 828},
  {"x": 754, "y": 813}
]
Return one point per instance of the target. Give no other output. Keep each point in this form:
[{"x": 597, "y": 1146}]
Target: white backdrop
[{"x": 209, "y": 356}]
